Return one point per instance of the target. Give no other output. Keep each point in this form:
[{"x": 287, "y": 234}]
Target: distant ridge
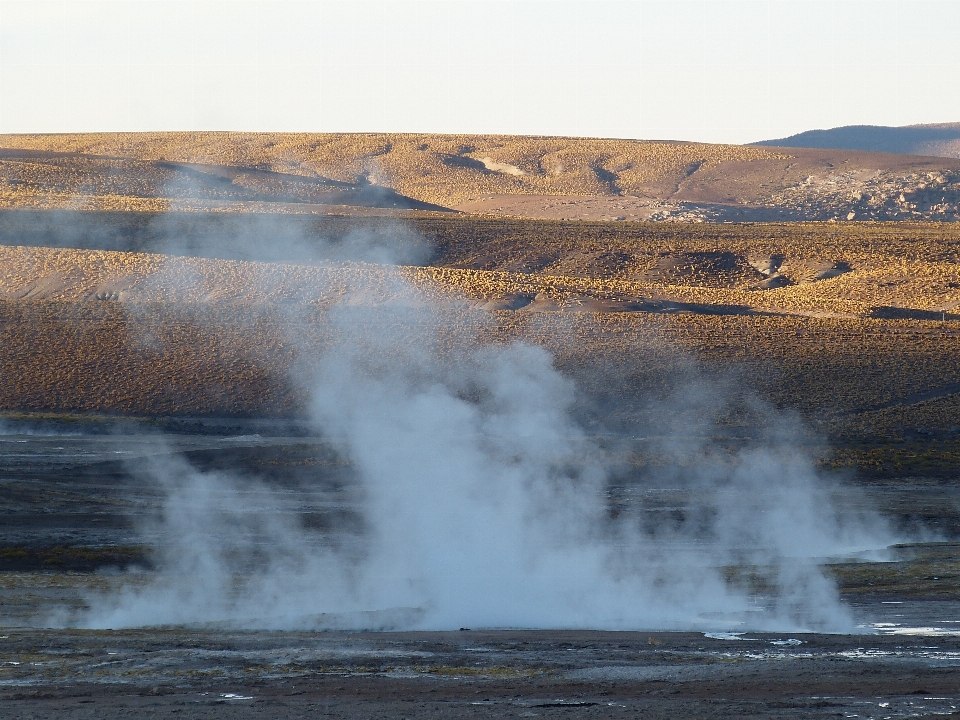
[
  {"x": 935, "y": 140},
  {"x": 499, "y": 175}
]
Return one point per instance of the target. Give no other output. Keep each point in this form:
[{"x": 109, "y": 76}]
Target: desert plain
[{"x": 171, "y": 295}]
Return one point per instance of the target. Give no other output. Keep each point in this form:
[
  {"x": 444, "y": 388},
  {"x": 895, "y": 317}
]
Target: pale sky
[{"x": 710, "y": 71}]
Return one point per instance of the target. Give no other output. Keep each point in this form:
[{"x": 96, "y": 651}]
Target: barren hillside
[
  {"x": 935, "y": 140},
  {"x": 856, "y": 270},
  {"x": 855, "y": 327},
  {"x": 191, "y": 274},
  {"x": 544, "y": 177}
]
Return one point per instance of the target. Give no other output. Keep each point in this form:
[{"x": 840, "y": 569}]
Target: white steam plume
[{"x": 484, "y": 505}]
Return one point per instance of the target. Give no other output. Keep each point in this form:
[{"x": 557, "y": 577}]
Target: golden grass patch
[
  {"x": 862, "y": 353},
  {"x": 440, "y": 169}
]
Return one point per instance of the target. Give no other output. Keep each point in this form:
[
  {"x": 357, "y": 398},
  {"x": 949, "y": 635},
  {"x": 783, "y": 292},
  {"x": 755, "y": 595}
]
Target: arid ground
[
  {"x": 559, "y": 178},
  {"x": 165, "y": 295}
]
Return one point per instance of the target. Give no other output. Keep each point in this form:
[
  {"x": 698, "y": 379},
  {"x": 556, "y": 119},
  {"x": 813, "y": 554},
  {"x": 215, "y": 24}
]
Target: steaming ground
[
  {"x": 247, "y": 516},
  {"x": 474, "y": 496},
  {"x": 441, "y": 479},
  {"x": 901, "y": 659},
  {"x": 478, "y": 501}
]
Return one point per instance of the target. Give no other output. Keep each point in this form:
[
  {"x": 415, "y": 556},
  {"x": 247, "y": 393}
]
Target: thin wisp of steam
[{"x": 485, "y": 504}]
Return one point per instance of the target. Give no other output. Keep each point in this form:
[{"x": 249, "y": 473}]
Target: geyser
[{"x": 484, "y": 505}]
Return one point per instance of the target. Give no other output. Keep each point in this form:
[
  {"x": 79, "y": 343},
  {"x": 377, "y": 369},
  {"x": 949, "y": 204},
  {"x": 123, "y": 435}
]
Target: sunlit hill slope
[{"x": 543, "y": 177}]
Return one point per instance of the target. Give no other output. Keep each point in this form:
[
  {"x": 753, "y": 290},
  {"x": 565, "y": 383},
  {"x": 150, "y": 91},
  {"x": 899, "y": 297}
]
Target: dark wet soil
[
  {"x": 469, "y": 674},
  {"x": 69, "y": 509}
]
